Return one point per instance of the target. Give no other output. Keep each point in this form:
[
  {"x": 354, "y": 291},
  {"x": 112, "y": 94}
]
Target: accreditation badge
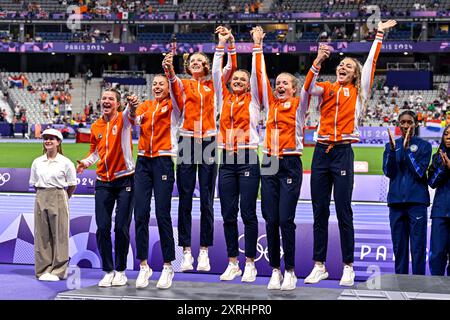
[{"x": 346, "y": 92}]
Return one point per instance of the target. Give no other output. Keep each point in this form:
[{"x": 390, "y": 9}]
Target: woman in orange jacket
[
  {"x": 239, "y": 168},
  {"x": 197, "y": 151},
  {"x": 342, "y": 103},
  {"x": 111, "y": 148},
  {"x": 158, "y": 121},
  {"x": 281, "y": 169}
]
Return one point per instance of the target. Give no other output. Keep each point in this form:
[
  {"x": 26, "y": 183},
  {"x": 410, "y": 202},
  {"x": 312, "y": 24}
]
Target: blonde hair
[
  {"x": 357, "y": 82},
  {"x": 295, "y": 82}
]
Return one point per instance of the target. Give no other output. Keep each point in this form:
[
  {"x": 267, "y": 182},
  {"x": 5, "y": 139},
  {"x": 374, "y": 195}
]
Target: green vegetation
[{"x": 21, "y": 155}]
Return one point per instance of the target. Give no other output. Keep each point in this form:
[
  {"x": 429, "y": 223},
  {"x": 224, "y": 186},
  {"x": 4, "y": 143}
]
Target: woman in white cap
[{"x": 54, "y": 178}]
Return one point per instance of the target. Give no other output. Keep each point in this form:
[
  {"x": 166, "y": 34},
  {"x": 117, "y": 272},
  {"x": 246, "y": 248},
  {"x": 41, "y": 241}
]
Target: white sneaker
[
  {"x": 318, "y": 273},
  {"x": 165, "y": 280},
  {"x": 231, "y": 272},
  {"x": 144, "y": 274},
  {"x": 188, "y": 260},
  {"x": 48, "y": 277},
  {"x": 290, "y": 280},
  {"x": 203, "y": 261},
  {"x": 275, "y": 280},
  {"x": 120, "y": 279},
  {"x": 348, "y": 277},
  {"x": 107, "y": 279},
  {"x": 250, "y": 272}
]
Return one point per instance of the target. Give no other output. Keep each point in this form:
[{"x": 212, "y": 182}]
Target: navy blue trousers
[
  {"x": 195, "y": 157},
  {"x": 409, "y": 225},
  {"x": 281, "y": 180},
  {"x": 118, "y": 192},
  {"x": 238, "y": 188},
  {"x": 440, "y": 246},
  {"x": 332, "y": 170},
  {"x": 154, "y": 174}
]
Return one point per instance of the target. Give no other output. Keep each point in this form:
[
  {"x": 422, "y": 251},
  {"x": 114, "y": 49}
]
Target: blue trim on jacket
[
  {"x": 440, "y": 180},
  {"x": 406, "y": 170}
]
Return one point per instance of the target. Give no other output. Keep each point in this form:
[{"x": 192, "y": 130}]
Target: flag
[
  {"x": 434, "y": 125},
  {"x": 15, "y": 82}
]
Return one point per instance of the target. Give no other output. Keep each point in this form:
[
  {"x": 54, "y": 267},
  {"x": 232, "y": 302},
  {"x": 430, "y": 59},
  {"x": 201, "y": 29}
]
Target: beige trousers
[{"x": 51, "y": 232}]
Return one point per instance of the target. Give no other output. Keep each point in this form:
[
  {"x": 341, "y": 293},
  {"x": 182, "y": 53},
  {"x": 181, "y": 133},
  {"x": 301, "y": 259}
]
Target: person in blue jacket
[
  {"x": 405, "y": 162},
  {"x": 439, "y": 179}
]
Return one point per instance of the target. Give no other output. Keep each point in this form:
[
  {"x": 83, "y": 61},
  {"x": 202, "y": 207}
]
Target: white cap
[{"x": 52, "y": 132}]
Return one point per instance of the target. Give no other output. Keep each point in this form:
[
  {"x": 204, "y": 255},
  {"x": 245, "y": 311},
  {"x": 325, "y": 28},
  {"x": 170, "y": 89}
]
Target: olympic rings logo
[
  {"x": 4, "y": 178},
  {"x": 262, "y": 250}
]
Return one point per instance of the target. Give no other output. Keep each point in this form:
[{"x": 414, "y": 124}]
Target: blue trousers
[
  {"x": 333, "y": 170},
  {"x": 440, "y": 246},
  {"x": 154, "y": 174},
  {"x": 238, "y": 188},
  {"x": 409, "y": 225},
  {"x": 118, "y": 192},
  {"x": 280, "y": 190},
  {"x": 195, "y": 157}
]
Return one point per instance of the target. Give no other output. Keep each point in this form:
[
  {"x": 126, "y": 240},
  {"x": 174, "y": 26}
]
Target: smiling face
[
  {"x": 51, "y": 143},
  {"x": 240, "y": 82},
  {"x": 285, "y": 87},
  {"x": 197, "y": 62},
  {"x": 346, "y": 71},
  {"x": 109, "y": 103},
  {"x": 405, "y": 122},
  {"x": 160, "y": 87}
]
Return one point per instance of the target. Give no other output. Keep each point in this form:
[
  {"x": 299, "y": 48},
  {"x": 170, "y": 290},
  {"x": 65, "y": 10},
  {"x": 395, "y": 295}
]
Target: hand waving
[{"x": 382, "y": 26}]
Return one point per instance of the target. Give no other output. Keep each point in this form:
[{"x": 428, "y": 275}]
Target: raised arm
[
  {"x": 176, "y": 88},
  {"x": 311, "y": 86},
  {"x": 231, "y": 65},
  {"x": 369, "y": 67},
  {"x": 259, "y": 82},
  {"x": 219, "y": 79}
]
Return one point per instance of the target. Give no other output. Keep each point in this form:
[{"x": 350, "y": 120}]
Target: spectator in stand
[
  {"x": 419, "y": 99},
  {"x": 386, "y": 90},
  {"x": 394, "y": 91},
  {"x": 43, "y": 97},
  {"x": 17, "y": 112},
  {"x": 24, "y": 122}
]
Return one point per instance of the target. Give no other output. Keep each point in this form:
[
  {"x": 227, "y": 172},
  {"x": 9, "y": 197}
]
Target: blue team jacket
[
  {"x": 406, "y": 170},
  {"x": 439, "y": 179}
]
